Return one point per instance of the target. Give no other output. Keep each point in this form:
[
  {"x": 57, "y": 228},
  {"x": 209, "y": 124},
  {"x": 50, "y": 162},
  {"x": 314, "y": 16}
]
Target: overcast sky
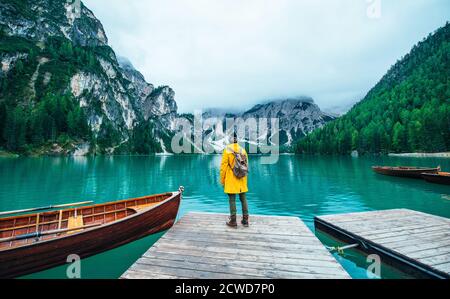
[{"x": 230, "y": 53}]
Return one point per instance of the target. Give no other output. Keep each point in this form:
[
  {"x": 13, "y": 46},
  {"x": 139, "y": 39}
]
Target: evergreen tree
[
  {"x": 37, "y": 127},
  {"x": 66, "y": 51},
  {"x": 143, "y": 141},
  {"x": 19, "y": 67},
  {"x": 399, "y": 137},
  {"x": 15, "y": 129},
  {"x": 2, "y": 121},
  {"x": 408, "y": 110}
]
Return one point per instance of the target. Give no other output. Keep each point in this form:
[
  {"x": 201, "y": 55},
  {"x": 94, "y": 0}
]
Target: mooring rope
[{"x": 340, "y": 249}]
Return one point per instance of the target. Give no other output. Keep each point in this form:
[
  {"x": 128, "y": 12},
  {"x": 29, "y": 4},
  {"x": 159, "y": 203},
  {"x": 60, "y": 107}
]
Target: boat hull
[
  {"x": 47, "y": 254},
  {"x": 404, "y": 172},
  {"x": 437, "y": 179}
]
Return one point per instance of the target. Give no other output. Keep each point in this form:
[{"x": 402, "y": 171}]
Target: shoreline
[
  {"x": 6, "y": 154},
  {"x": 422, "y": 155}
]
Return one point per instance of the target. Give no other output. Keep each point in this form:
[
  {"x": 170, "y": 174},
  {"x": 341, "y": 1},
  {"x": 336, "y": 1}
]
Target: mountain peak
[
  {"x": 124, "y": 62},
  {"x": 302, "y": 99},
  {"x": 108, "y": 96},
  {"x": 39, "y": 19}
]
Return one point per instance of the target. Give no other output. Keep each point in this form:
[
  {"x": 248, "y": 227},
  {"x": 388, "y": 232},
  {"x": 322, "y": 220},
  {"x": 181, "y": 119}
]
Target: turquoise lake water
[{"x": 296, "y": 186}]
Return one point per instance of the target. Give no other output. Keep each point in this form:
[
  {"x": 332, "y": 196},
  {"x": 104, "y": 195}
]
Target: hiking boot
[
  {"x": 232, "y": 222},
  {"x": 245, "y": 221}
]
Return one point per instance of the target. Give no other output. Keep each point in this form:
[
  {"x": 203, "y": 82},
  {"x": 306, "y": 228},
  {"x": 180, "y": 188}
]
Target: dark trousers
[{"x": 243, "y": 199}]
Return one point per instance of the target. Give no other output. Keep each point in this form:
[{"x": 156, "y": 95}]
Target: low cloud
[{"x": 224, "y": 53}]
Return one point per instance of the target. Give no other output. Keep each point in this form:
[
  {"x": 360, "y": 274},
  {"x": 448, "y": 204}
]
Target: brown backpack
[{"x": 240, "y": 169}]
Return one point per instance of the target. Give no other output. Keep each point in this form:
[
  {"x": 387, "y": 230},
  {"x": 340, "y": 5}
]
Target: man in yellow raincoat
[{"x": 232, "y": 184}]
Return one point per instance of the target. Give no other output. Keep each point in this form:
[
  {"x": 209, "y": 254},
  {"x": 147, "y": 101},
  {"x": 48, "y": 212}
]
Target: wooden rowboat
[
  {"x": 35, "y": 242},
  {"x": 437, "y": 178},
  {"x": 405, "y": 171}
]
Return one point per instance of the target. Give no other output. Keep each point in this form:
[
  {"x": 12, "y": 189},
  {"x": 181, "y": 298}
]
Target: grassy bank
[{"x": 4, "y": 154}]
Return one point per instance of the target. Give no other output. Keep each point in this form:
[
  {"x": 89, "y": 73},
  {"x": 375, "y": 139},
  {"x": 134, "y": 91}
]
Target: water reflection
[{"x": 297, "y": 186}]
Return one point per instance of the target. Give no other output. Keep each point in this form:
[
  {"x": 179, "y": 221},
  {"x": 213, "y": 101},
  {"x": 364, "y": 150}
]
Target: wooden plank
[
  {"x": 436, "y": 260},
  {"x": 151, "y": 258},
  {"x": 254, "y": 252},
  {"x": 186, "y": 254},
  {"x": 186, "y": 234},
  {"x": 212, "y": 215},
  {"x": 219, "y": 225},
  {"x": 132, "y": 274},
  {"x": 240, "y": 269},
  {"x": 200, "y": 245},
  {"x": 272, "y": 233},
  {"x": 401, "y": 230},
  {"x": 371, "y": 215},
  {"x": 352, "y": 217},
  {"x": 229, "y": 242},
  {"x": 383, "y": 227},
  {"x": 191, "y": 273},
  {"x": 412, "y": 246},
  {"x": 443, "y": 267},
  {"x": 256, "y": 228},
  {"x": 60, "y": 219},
  {"x": 414, "y": 239},
  {"x": 247, "y": 249},
  {"x": 431, "y": 235},
  {"x": 422, "y": 254},
  {"x": 388, "y": 228}
]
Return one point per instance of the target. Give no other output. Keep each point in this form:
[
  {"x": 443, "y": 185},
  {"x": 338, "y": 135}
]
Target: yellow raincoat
[{"x": 232, "y": 185}]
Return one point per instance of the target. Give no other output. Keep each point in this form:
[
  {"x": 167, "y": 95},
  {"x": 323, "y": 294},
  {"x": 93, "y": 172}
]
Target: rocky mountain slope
[
  {"x": 54, "y": 48},
  {"x": 63, "y": 90},
  {"x": 297, "y": 118}
]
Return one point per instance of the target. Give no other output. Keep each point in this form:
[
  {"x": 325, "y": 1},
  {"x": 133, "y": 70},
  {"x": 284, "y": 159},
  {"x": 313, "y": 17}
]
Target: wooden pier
[
  {"x": 200, "y": 245},
  {"x": 415, "y": 242}
]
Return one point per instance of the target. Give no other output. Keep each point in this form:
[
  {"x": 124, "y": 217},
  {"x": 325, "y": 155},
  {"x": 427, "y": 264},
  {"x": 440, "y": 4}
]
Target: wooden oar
[
  {"x": 46, "y": 208},
  {"x": 44, "y": 233}
]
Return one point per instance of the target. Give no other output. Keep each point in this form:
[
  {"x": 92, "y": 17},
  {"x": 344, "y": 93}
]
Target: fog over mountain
[
  {"x": 63, "y": 89},
  {"x": 223, "y": 54}
]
